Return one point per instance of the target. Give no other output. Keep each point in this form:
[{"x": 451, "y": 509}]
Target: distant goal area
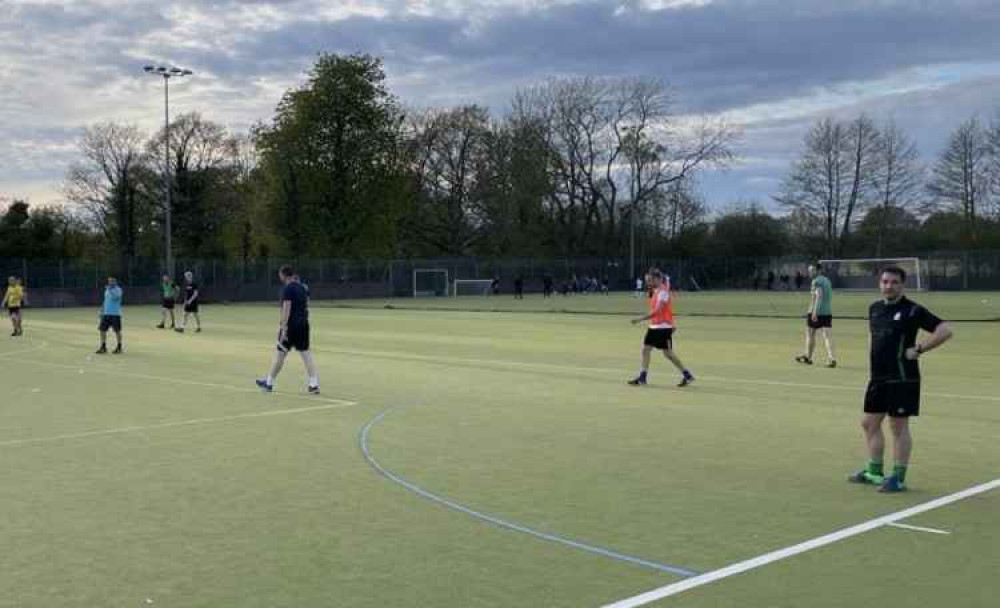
[
  {"x": 436, "y": 283},
  {"x": 863, "y": 274}
]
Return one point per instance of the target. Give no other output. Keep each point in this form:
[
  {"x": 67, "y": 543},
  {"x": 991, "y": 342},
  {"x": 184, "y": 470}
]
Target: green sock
[
  {"x": 899, "y": 472},
  {"x": 875, "y": 468}
]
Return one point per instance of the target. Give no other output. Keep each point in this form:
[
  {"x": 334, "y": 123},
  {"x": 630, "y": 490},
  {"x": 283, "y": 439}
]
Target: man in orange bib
[{"x": 661, "y": 330}]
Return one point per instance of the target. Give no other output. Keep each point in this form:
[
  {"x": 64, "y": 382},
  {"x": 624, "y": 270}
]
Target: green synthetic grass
[
  {"x": 957, "y": 306},
  {"x": 151, "y": 475}
]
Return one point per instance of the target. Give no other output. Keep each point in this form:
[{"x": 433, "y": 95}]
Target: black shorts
[
  {"x": 821, "y": 321},
  {"x": 192, "y": 307},
  {"x": 896, "y": 398},
  {"x": 13, "y": 310},
  {"x": 110, "y": 322},
  {"x": 296, "y": 337},
  {"x": 167, "y": 303},
  {"x": 662, "y": 339}
]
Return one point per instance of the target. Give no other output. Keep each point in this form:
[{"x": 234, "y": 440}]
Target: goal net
[
  {"x": 472, "y": 287},
  {"x": 430, "y": 283},
  {"x": 864, "y": 273}
]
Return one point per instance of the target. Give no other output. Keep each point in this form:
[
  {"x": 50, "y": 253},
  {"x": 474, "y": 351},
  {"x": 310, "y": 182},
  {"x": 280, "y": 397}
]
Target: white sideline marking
[
  {"x": 229, "y": 387},
  {"x": 605, "y": 370},
  {"x": 767, "y": 558},
  {"x": 918, "y": 528},
  {"x": 166, "y": 425},
  {"x": 25, "y": 350}
]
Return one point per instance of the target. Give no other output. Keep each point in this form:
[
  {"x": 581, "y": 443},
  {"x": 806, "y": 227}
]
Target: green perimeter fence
[{"x": 73, "y": 282}]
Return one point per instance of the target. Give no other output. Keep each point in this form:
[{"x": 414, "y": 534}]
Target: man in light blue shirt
[{"x": 111, "y": 316}]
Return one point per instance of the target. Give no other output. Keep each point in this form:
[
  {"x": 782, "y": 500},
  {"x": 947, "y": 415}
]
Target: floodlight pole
[{"x": 167, "y": 74}]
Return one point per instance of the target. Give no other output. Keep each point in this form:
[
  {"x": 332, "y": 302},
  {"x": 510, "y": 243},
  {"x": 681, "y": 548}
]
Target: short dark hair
[
  {"x": 656, "y": 272},
  {"x": 817, "y": 266},
  {"x": 896, "y": 270},
  {"x": 286, "y": 271}
]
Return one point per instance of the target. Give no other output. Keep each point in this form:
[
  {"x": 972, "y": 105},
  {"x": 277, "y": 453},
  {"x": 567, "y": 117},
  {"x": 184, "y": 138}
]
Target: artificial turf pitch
[{"x": 163, "y": 475}]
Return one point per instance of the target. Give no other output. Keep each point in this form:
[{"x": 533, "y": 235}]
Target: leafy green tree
[{"x": 333, "y": 160}]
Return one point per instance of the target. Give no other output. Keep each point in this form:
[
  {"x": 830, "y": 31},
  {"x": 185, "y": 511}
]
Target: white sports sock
[
  {"x": 270, "y": 380},
  {"x": 314, "y": 381}
]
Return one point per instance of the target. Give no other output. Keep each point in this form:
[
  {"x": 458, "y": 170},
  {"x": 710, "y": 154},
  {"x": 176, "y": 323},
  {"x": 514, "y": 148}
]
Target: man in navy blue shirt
[
  {"x": 293, "y": 331},
  {"x": 894, "y": 387}
]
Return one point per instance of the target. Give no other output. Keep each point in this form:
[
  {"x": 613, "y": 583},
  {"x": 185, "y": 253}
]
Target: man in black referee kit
[
  {"x": 293, "y": 331},
  {"x": 894, "y": 387}
]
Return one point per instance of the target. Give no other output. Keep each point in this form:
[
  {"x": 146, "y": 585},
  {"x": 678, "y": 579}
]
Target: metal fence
[{"x": 74, "y": 282}]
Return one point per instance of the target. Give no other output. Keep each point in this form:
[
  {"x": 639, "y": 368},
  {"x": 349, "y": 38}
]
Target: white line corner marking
[
  {"x": 917, "y": 528},
  {"x": 780, "y": 554}
]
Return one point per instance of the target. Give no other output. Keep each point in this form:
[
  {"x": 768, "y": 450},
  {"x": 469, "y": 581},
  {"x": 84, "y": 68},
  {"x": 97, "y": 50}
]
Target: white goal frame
[
  {"x": 419, "y": 294},
  {"x": 919, "y": 264},
  {"x": 488, "y": 283}
]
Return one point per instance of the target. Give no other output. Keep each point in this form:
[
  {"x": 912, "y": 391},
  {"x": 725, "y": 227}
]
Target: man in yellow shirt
[{"x": 12, "y": 301}]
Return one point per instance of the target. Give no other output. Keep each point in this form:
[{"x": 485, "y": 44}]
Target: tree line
[{"x": 574, "y": 167}]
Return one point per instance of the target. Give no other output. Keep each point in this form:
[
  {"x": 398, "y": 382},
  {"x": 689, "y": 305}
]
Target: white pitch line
[
  {"x": 809, "y": 545},
  {"x": 168, "y": 380},
  {"x": 166, "y": 425},
  {"x": 25, "y": 350},
  {"x": 605, "y": 370},
  {"x": 918, "y": 528}
]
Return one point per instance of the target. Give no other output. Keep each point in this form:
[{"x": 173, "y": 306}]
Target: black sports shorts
[
  {"x": 110, "y": 322},
  {"x": 167, "y": 303},
  {"x": 192, "y": 307},
  {"x": 821, "y": 321},
  {"x": 296, "y": 337},
  {"x": 662, "y": 339},
  {"x": 897, "y": 398}
]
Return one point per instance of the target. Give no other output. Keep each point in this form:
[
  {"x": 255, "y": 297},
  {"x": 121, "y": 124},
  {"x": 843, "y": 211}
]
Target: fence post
[{"x": 62, "y": 275}]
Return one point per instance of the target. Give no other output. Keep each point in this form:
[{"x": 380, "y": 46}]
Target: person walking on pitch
[
  {"x": 293, "y": 332},
  {"x": 13, "y": 302},
  {"x": 168, "y": 299},
  {"x": 661, "y": 330},
  {"x": 191, "y": 301},
  {"x": 819, "y": 317}
]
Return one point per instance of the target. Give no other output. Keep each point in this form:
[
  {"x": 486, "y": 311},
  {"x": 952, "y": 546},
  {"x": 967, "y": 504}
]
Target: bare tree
[
  {"x": 993, "y": 143},
  {"x": 610, "y": 137},
  {"x": 960, "y": 180},
  {"x": 898, "y": 176},
  {"x": 833, "y": 180},
  {"x": 204, "y": 165},
  {"x": 108, "y": 183},
  {"x": 449, "y": 150}
]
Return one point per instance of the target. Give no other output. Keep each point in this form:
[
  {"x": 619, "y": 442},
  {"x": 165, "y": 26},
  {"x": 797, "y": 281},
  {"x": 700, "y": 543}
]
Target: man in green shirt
[
  {"x": 168, "y": 295},
  {"x": 819, "y": 317}
]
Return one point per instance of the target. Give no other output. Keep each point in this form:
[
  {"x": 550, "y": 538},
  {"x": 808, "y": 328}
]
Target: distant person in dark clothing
[
  {"x": 518, "y": 288},
  {"x": 604, "y": 286},
  {"x": 547, "y": 286},
  {"x": 770, "y": 280},
  {"x": 799, "y": 279},
  {"x": 785, "y": 282},
  {"x": 495, "y": 286}
]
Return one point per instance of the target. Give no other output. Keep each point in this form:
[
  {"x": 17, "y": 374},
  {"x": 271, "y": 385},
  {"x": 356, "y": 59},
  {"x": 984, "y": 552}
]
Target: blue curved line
[{"x": 363, "y": 439}]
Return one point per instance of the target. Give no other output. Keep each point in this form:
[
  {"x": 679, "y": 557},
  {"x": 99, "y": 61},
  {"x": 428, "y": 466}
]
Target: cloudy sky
[{"x": 772, "y": 66}]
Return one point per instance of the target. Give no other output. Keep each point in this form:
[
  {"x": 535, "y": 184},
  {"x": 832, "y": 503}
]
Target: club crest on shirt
[{"x": 898, "y": 316}]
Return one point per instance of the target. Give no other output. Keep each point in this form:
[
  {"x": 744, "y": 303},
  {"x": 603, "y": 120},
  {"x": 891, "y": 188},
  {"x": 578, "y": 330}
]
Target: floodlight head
[
  {"x": 186, "y": 73},
  {"x": 175, "y": 70},
  {"x": 148, "y": 68},
  {"x": 161, "y": 69}
]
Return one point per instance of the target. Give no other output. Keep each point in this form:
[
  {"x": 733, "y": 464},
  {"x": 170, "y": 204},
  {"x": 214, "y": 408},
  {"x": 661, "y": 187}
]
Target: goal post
[
  {"x": 863, "y": 273},
  {"x": 430, "y": 283},
  {"x": 472, "y": 287}
]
